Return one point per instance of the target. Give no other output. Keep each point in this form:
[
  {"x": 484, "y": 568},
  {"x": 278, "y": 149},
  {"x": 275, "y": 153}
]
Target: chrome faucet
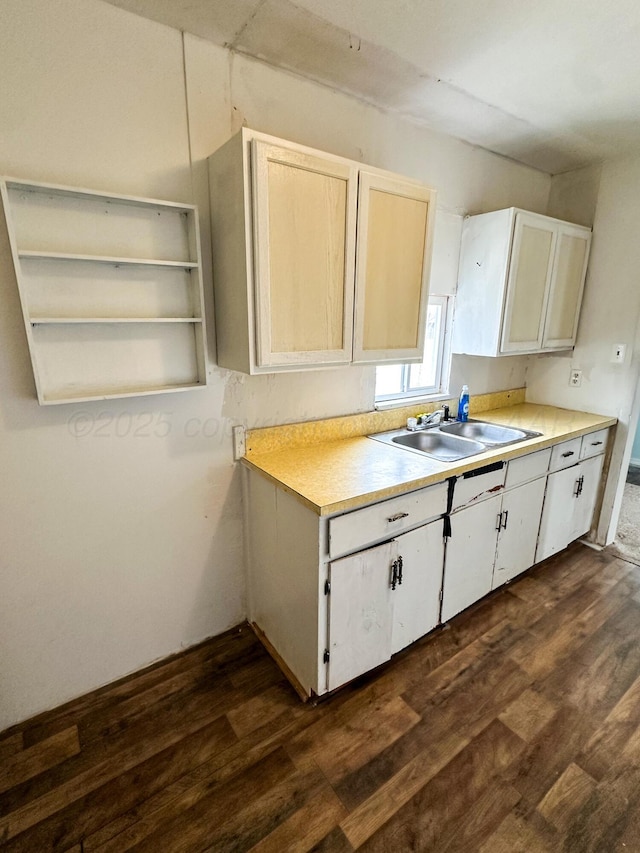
[{"x": 424, "y": 421}]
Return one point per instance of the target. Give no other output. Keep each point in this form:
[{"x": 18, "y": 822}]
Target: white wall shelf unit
[{"x": 111, "y": 291}]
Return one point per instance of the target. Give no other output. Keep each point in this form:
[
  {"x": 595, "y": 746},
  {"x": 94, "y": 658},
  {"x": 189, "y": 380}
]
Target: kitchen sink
[
  {"x": 489, "y": 434},
  {"x": 447, "y": 448},
  {"x": 449, "y": 442}
]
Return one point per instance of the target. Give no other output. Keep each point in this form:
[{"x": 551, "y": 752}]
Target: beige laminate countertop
[{"x": 341, "y": 475}]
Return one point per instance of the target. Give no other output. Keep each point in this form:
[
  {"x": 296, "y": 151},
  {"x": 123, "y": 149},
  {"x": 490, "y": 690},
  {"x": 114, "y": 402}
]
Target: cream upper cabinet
[
  {"x": 520, "y": 283},
  {"x": 392, "y": 269},
  {"x": 316, "y": 262}
]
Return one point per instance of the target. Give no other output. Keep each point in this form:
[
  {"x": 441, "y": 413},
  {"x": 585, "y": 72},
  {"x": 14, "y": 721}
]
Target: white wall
[
  {"x": 610, "y": 315},
  {"x": 118, "y": 549}
]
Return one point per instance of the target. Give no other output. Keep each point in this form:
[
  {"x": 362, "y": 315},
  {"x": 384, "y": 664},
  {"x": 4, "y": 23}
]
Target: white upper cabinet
[
  {"x": 316, "y": 261},
  {"x": 520, "y": 283}
]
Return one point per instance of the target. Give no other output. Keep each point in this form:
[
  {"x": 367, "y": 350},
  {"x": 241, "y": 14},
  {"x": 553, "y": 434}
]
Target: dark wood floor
[{"x": 516, "y": 728}]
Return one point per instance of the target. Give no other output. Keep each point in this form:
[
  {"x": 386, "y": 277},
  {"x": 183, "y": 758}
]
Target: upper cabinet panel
[
  {"x": 304, "y": 214},
  {"x": 395, "y": 224},
  {"x": 520, "y": 284},
  {"x": 288, "y": 223}
]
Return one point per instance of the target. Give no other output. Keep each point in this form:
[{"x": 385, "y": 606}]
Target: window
[{"x": 431, "y": 377}]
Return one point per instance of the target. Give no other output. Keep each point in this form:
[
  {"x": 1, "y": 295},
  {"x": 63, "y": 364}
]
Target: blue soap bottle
[{"x": 463, "y": 405}]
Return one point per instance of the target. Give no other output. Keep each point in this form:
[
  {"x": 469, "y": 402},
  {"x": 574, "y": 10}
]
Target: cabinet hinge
[
  {"x": 326, "y": 656},
  {"x": 327, "y": 587}
]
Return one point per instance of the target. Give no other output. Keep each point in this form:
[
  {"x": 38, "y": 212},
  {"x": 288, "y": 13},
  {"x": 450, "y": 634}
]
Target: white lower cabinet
[
  {"x": 382, "y": 599},
  {"x": 490, "y": 543},
  {"x": 568, "y": 507},
  {"x": 335, "y": 597},
  {"x": 471, "y": 551}
]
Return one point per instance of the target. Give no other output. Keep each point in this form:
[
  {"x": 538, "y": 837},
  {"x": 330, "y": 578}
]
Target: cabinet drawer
[
  {"x": 527, "y": 468},
  {"x": 384, "y": 520},
  {"x": 477, "y": 485},
  {"x": 594, "y": 443},
  {"x": 565, "y": 454}
]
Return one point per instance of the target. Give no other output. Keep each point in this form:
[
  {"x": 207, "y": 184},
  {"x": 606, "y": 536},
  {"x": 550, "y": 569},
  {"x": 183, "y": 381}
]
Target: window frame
[{"x": 443, "y": 365}]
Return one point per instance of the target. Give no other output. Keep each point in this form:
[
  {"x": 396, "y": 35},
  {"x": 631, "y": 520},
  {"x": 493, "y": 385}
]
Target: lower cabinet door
[
  {"x": 469, "y": 557},
  {"x": 558, "y": 523},
  {"x": 518, "y": 536},
  {"x": 585, "y": 502},
  {"x": 360, "y": 612},
  {"x": 416, "y": 599}
]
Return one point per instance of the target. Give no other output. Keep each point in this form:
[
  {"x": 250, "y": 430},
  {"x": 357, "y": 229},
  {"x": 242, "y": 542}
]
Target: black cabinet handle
[
  {"x": 394, "y": 574},
  {"x": 506, "y": 518},
  {"x": 568, "y": 453},
  {"x": 398, "y": 516},
  {"x": 499, "y": 521},
  {"x": 596, "y": 443},
  {"x": 399, "y": 570}
]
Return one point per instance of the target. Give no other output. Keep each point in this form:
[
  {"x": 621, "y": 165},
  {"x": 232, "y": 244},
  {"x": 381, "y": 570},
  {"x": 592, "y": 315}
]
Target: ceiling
[{"x": 554, "y": 84}]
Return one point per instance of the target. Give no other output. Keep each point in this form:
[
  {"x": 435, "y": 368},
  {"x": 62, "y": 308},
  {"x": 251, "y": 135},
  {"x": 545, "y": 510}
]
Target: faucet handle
[{"x": 445, "y": 413}]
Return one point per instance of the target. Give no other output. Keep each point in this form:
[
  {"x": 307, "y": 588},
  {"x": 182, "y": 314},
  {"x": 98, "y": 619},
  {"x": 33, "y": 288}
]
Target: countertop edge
[{"x": 257, "y": 462}]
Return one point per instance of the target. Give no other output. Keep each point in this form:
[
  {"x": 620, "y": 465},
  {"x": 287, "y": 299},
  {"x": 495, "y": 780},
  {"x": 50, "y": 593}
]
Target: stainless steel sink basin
[
  {"x": 487, "y": 433},
  {"x": 435, "y": 443},
  {"x": 449, "y": 442}
]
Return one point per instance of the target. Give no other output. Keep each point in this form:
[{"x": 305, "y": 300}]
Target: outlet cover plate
[{"x": 575, "y": 378}]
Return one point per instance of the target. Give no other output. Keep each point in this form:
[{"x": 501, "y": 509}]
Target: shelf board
[
  {"x": 107, "y": 394},
  {"x": 66, "y": 321},
  {"x": 24, "y": 254},
  {"x": 82, "y": 193}
]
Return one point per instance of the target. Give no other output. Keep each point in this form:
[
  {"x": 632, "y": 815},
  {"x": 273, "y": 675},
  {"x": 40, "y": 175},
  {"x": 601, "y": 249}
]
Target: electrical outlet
[
  {"x": 575, "y": 378},
  {"x": 618, "y": 353},
  {"x": 238, "y": 442}
]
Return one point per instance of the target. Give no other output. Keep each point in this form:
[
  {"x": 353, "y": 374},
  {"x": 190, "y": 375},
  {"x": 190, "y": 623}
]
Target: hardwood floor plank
[
  {"x": 338, "y": 749},
  {"x": 609, "y": 811},
  {"x": 10, "y": 745},
  {"x": 30, "y": 762},
  {"x": 263, "y": 708},
  {"x": 611, "y": 737},
  {"x": 47, "y": 813},
  {"x": 515, "y": 835},
  {"x": 306, "y": 827},
  {"x": 262, "y": 812},
  {"x": 389, "y": 796},
  {"x": 528, "y": 714},
  {"x": 551, "y": 750},
  {"x": 482, "y": 817},
  {"x": 436, "y": 809},
  {"x": 566, "y": 797}
]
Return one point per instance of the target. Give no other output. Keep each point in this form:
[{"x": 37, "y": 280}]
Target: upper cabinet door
[
  {"x": 304, "y": 210},
  {"x": 567, "y": 284},
  {"x": 395, "y": 228},
  {"x": 534, "y": 242}
]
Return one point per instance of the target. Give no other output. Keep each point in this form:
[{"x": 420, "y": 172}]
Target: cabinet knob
[{"x": 398, "y": 516}]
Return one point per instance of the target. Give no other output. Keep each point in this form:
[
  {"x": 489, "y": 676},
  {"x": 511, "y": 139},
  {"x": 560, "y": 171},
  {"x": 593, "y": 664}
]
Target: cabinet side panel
[
  {"x": 283, "y": 567},
  {"x": 482, "y": 278},
  {"x": 231, "y": 243}
]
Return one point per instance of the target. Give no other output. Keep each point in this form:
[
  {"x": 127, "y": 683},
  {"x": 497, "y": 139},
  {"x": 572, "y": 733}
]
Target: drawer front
[
  {"x": 565, "y": 454},
  {"x": 594, "y": 443},
  {"x": 383, "y": 520},
  {"x": 527, "y": 467},
  {"x": 473, "y": 487}
]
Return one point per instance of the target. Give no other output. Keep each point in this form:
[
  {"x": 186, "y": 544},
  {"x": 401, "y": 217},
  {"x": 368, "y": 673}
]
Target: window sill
[{"x": 403, "y": 402}]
